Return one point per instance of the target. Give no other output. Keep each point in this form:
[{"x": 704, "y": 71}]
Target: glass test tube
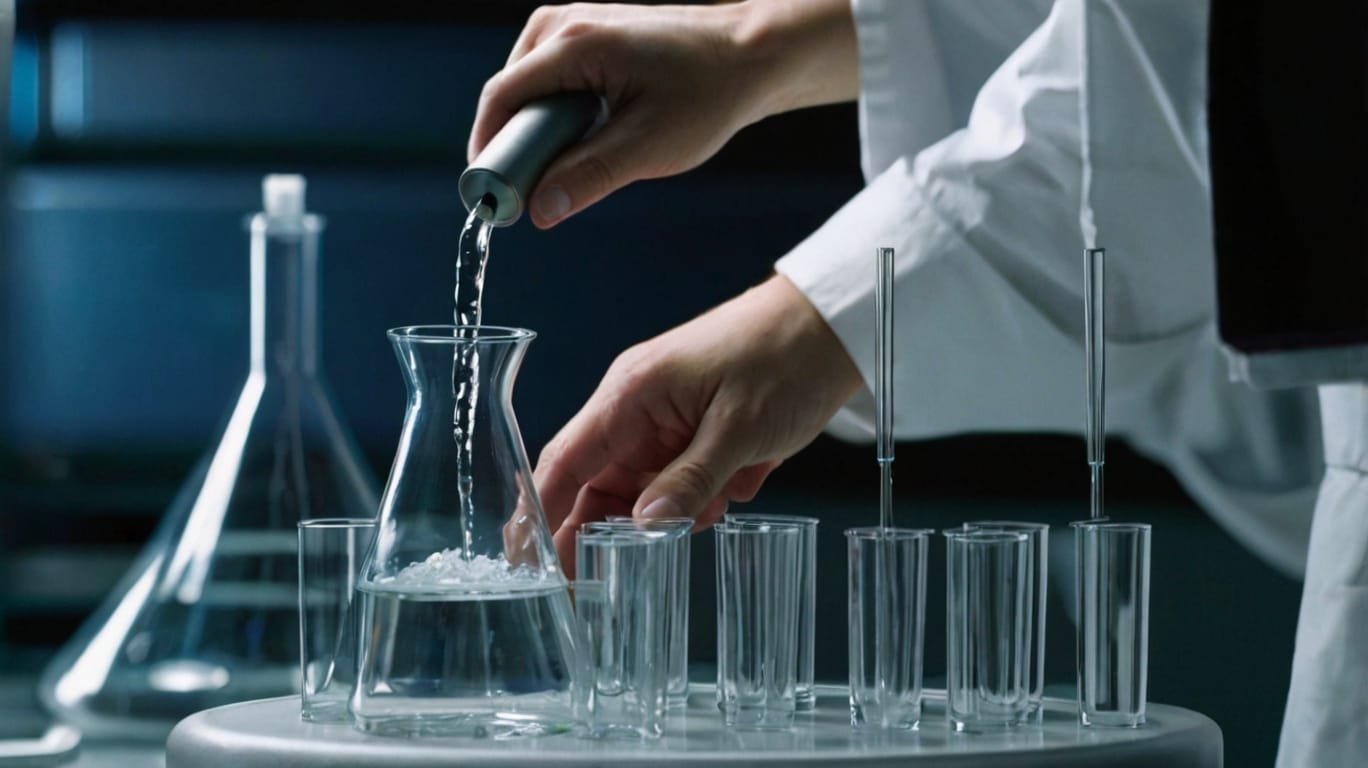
[
  {"x": 757, "y": 616},
  {"x": 1113, "y": 575},
  {"x": 806, "y": 697},
  {"x": 986, "y": 606},
  {"x": 1037, "y": 592},
  {"x": 676, "y": 617},
  {"x": 619, "y": 598},
  {"x": 330, "y": 558},
  {"x": 887, "y": 612}
]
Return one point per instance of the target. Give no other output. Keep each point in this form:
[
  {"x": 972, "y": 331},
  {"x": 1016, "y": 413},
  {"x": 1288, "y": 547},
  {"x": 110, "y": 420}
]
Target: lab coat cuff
[{"x": 835, "y": 269}]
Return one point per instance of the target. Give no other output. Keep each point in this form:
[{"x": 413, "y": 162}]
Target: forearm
[{"x": 803, "y": 51}]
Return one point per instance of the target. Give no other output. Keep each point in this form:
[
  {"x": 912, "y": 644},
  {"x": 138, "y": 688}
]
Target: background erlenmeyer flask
[
  {"x": 208, "y": 614},
  {"x": 466, "y": 622}
]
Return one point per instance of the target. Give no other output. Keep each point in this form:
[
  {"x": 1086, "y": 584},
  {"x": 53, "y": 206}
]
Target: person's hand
[
  {"x": 698, "y": 416},
  {"x": 679, "y": 81}
]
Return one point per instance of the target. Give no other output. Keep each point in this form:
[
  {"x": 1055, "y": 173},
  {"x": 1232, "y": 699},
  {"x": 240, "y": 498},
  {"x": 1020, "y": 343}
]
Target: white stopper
[{"x": 283, "y": 195}]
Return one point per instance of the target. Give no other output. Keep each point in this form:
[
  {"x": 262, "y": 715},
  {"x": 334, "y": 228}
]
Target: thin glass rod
[
  {"x": 883, "y": 382},
  {"x": 1094, "y": 342}
]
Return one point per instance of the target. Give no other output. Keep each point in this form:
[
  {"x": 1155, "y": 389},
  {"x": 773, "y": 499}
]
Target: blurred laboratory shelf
[
  {"x": 269, "y": 732},
  {"x": 30, "y": 739}
]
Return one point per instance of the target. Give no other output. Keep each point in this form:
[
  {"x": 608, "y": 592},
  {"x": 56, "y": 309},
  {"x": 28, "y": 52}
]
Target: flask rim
[{"x": 454, "y": 334}]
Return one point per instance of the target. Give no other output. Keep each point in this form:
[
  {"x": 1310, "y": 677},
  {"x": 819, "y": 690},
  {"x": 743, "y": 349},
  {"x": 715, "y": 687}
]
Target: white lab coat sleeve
[
  {"x": 988, "y": 282},
  {"x": 921, "y": 64},
  {"x": 964, "y": 326},
  {"x": 1326, "y": 722}
]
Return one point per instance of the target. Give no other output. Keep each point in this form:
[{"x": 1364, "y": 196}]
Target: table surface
[{"x": 269, "y": 732}]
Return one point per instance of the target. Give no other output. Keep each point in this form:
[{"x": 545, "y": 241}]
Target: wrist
[
  {"x": 798, "y": 53},
  {"x": 807, "y": 340}
]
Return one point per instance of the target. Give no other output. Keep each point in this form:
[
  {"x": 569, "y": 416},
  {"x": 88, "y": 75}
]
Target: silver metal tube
[{"x": 508, "y": 169}]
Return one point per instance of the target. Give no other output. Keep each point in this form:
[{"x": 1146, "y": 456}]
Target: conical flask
[
  {"x": 208, "y": 615},
  {"x": 466, "y": 625}
]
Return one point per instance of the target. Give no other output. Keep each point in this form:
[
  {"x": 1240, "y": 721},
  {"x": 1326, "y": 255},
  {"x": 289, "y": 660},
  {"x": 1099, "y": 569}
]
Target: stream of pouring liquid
[{"x": 471, "y": 257}]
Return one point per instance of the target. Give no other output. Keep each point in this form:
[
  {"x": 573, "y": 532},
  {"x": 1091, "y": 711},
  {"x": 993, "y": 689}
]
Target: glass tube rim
[
  {"x": 764, "y": 518},
  {"x": 658, "y": 524},
  {"x": 624, "y": 537},
  {"x": 975, "y": 536},
  {"x": 623, "y": 527},
  {"x": 338, "y": 523},
  {"x": 1110, "y": 525},
  {"x": 728, "y": 529},
  {"x": 877, "y": 532},
  {"x": 1005, "y": 525}
]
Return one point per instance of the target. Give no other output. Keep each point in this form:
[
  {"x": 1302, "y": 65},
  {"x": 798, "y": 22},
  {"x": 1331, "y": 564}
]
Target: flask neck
[{"x": 286, "y": 309}]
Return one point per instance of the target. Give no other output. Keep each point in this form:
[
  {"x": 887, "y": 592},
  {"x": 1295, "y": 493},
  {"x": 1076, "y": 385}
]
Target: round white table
[{"x": 270, "y": 733}]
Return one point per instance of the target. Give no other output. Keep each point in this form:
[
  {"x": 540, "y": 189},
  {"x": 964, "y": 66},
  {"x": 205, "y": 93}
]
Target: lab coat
[{"x": 996, "y": 139}]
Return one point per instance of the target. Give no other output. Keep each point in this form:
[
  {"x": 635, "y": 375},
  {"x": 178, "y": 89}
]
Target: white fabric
[
  {"x": 1326, "y": 723},
  {"x": 986, "y": 222}
]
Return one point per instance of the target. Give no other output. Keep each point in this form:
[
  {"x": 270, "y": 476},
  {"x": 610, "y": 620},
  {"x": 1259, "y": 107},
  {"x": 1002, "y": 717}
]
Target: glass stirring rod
[
  {"x": 883, "y": 437},
  {"x": 1094, "y": 342},
  {"x": 883, "y": 382}
]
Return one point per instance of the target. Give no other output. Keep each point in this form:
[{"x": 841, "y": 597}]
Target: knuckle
[
  {"x": 737, "y": 417},
  {"x": 491, "y": 86},
  {"x": 552, "y": 451},
  {"x": 623, "y": 391},
  {"x": 543, "y": 16},
  {"x": 634, "y": 369},
  {"x": 598, "y": 171},
  {"x": 695, "y": 478},
  {"x": 577, "y": 19},
  {"x": 573, "y": 28},
  {"x": 742, "y": 492}
]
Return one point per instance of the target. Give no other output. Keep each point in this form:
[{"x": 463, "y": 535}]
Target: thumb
[
  {"x": 615, "y": 156},
  {"x": 696, "y": 477}
]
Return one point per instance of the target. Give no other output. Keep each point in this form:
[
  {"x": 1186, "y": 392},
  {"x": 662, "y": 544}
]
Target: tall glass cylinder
[
  {"x": 1037, "y": 593},
  {"x": 757, "y": 619},
  {"x": 986, "y": 671},
  {"x": 676, "y": 616},
  {"x": 806, "y": 696},
  {"x": 466, "y": 622},
  {"x": 887, "y": 615},
  {"x": 1112, "y": 565},
  {"x": 207, "y": 615},
  {"x": 622, "y": 603}
]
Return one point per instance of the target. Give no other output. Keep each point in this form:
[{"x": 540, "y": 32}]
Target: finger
[
  {"x": 592, "y": 505},
  {"x": 711, "y": 514},
  {"x": 746, "y": 483},
  {"x": 595, "y": 505},
  {"x": 690, "y": 483},
  {"x": 742, "y": 487},
  {"x": 556, "y": 65},
  {"x": 578, "y": 453},
  {"x": 622, "y": 152},
  {"x": 542, "y": 19}
]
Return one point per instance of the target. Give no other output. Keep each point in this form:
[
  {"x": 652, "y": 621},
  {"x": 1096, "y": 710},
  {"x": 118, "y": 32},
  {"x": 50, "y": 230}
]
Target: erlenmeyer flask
[
  {"x": 208, "y": 615},
  {"x": 466, "y": 623}
]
